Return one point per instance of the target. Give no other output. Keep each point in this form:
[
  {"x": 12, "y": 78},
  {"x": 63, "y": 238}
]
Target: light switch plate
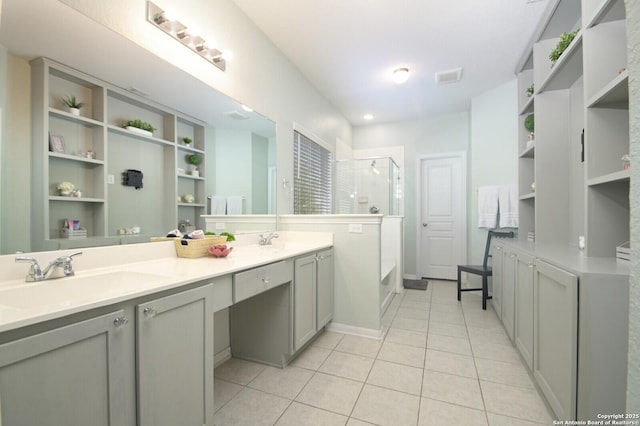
[
  {"x": 110, "y": 179},
  {"x": 355, "y": 228}
]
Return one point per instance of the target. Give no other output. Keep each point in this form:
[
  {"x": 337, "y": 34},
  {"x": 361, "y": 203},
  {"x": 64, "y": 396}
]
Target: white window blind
[{"x": 312, "y": 165}]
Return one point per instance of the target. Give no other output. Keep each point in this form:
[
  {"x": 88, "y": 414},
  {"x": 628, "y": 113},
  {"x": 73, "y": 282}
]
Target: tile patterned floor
[{"x": 441, "y": 363}]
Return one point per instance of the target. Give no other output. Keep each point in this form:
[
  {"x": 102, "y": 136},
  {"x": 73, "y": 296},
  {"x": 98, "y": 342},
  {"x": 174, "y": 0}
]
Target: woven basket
[{"x": 197, "y": 248}]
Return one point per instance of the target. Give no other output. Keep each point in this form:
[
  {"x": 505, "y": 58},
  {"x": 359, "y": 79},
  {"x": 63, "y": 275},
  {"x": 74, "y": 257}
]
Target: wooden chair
[{"x": 484, "y": 270}]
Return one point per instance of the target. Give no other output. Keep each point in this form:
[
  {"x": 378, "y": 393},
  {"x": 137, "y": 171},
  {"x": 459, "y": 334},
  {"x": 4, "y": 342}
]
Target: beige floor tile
[
  {"x": 498, "y": 420},
  {"x": 356, "y": 422},
  {"x": 284, "y": 382},
  {"x": 402, "y": 354},
  {"x": 448, "y": 344},
  {"x": 446, "y": 307},
  {"x": 452, "y": 389},
  {"x": 299, "y": 414},
  {"x": 396, "y": 376},
  {"x": 346, "y": 365},
  {"x": 495, "y": 352},
  {"x": 238, "y": 371},
  {"x": 412, "y": 313},
  {"x": 359, "y": 346},
  {"x": 434, "y": 412},
  {"x": 328, "y": 340},
  {"x": 488, "y": 335},
  {"x": 386, "y": 407},
  {"x": 503, "y": 372},
  {"x": 223, "y": 392},
  {"x": 331, "y": 393},
  {"x": 512, "y": 401},
  {"x": 447, "y": 317},
  {"x": 411, "y": 324},
  {"x": 311, "y": 358},
  {"x": 444, "y": 329},
  {"x": 251, "y": 408},
  {"x": 445, "y": 362},
  {"x": 406, "y": 337},
  {"x": 416, "y": 304}
]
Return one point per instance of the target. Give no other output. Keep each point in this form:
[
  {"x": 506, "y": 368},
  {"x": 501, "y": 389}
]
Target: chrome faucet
[
  {"x": 266, "y": 241},
  {"x": 37, "y": 274}
]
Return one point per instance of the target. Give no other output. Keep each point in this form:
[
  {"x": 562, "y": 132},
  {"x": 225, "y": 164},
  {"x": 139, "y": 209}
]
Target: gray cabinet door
[
  {"x": 324, "y": 285},
  {"x": 304, "y": 300},
  {"x": 509, "y": 259},
  {"x": 496, "y": 280},
  {"x": 524, "y": 307},
  {"x": 70, "y": 376},
  {"x": 555, "y": 322},
  {"x": 175, "y": 359}
]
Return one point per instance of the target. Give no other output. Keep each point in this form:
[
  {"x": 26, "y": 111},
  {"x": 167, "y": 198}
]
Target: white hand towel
[
  {"x": 487, "y": 206},
  {"x": 508, "y": 201},
  {"x": 218, "y": 205},
  {"x": 234, "y": 204}
]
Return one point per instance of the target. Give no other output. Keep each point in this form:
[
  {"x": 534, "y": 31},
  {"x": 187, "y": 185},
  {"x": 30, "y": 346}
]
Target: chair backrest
[{"x": 490, "y": 235}]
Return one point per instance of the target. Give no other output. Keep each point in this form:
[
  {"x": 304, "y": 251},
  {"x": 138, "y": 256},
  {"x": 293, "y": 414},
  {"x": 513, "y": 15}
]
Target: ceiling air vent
[
  {"x": 236, "y": 115},
  {"x": 449, "y": 76}
]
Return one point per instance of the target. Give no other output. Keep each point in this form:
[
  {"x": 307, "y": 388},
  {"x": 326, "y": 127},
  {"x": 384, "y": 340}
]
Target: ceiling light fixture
[
  {"x": 189, "y": 38},
  {"x": 368, "y": 117},
  {"x": 401, "y": 75}
]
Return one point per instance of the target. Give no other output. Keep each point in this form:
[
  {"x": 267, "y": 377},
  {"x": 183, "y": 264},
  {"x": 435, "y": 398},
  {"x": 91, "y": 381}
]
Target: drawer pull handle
[
  {"x": 120, "y": 322},
  {"x": 530, "y": 265},
  {"x": 319, "y": 257},
  {"x": 265, "y": 281},
  {"x": 150, "y": 312}
]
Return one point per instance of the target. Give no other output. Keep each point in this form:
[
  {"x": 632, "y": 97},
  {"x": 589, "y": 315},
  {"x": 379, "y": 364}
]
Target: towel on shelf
[
  {"x": 487, "y": 207},
  {"x": 234, "y": 204},
  {"x": 218, "y": 205},
  {"x": 508, "y": 201}
]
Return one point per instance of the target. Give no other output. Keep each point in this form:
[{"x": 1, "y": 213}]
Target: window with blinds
[{"x": 312, "y": 165}]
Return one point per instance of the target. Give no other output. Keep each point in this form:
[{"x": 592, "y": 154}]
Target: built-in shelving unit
[
  {"x": 581, "y": 129},
  {"x": 96, "y": 149}
]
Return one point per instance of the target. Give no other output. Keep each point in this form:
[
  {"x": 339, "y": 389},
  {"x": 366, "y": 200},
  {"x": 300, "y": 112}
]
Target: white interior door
[{"x": 442, "y": 226}]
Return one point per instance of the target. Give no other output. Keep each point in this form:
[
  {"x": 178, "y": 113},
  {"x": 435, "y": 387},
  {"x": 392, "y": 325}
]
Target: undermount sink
[{"x": 72, "y": 290}]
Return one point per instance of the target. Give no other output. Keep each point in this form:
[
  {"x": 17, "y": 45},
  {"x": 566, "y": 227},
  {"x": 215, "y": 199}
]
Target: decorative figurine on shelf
[
  {"x": 626, "y": 162},
  {"x": 65, "y": 188},
  {"x": 188, "y": 198}
]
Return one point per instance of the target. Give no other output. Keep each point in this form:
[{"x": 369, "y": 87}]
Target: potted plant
[
  {"x": 530, "y": 91},
  {"x": 194, "y": 160},
  {"x": 139, "y": 126},
  {"x": 565, "y": 41},
  {"x": 187, "y": 141},
  {"x": 73, "y": 105},
  {"x": 65, "y": 188}
]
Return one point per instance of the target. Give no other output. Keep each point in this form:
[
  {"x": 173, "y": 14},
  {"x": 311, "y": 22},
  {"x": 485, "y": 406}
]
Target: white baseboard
[
  {"x": 356, "y": 331},
  {"x": 410, "y": 277},
  {"x": 222, "y": 356}
]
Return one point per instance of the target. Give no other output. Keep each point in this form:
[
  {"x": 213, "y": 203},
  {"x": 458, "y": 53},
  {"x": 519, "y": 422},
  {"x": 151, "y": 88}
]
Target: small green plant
[
  {"x": 194, "y": 159},
  {"x": 229, "y": 236},
  {"x": 186, "y": 140},
  {"x": 72, "y": 102},
  {"x": 528, "y": 123},
  {"x": 140, "y": 125},
  {"x": 530, "y": 90},
  {"x": 565, "y": 41}
]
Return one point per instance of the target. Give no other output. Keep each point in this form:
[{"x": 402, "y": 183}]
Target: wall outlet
[
  {"x": 355, "y": 228},
  {"x": 110, "y": 179},
  {"x": 219, "y": 226}
]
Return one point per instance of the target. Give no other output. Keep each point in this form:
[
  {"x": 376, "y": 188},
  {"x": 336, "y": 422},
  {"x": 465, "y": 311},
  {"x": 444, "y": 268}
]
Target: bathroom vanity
[{"x": 129, "y": 339}]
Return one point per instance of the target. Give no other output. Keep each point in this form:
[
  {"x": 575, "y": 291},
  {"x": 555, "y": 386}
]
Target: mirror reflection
[{"x": 238, "y": 145}]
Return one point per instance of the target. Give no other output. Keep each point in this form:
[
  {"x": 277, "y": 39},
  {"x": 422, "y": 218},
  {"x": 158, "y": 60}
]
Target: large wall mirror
[{"x": 240, "y": 147}]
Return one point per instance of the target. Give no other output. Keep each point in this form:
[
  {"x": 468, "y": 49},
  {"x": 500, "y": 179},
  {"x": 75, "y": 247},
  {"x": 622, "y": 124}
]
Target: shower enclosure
[{"x": 368, "y": 185}]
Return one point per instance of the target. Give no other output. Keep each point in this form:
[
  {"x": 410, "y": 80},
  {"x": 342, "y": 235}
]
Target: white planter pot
[
  {"x": 74, "y": 111},
  {"x": 139, "y": 131},
  {"x": 195, "y": 173}
]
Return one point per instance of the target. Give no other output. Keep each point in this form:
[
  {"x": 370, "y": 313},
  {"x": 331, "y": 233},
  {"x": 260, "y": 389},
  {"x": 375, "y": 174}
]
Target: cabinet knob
[
  {"x": 120, "y": 322},
  {"x": 150, "y": 312},
  {"x": 424, "y": 225},
  {"x": 319, "y": 257},
  {"x": 265, "y": 280},
  {"x": 530, "y": 265},
  {"x": 513, "y": 255}
]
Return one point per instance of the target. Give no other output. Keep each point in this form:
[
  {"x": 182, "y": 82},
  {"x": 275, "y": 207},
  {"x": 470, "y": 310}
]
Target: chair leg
[
  {"x": 485, "y": 292},
  {"x": 459, "y": 284}
]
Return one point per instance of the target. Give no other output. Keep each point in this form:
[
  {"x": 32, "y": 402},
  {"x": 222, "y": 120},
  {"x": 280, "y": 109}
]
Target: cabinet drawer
[{"x": 255, "y": 281}]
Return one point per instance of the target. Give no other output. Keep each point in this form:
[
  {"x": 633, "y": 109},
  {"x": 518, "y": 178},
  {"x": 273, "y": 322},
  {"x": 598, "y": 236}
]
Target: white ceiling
[{"x": 348, "y": 49}]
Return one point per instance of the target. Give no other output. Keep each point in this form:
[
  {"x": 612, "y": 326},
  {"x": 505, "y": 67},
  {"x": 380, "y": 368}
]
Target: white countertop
[{"x": 108, "y": 275}]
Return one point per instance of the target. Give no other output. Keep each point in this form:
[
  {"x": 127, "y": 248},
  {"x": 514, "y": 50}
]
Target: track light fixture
[{"x": 180, "y": 32}]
